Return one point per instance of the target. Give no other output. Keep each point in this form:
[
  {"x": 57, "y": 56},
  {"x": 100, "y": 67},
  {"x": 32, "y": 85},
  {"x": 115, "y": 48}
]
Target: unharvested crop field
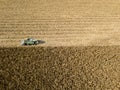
[
  {"x": 60, "y": 68},
  {"x": 81, "y": 49}
]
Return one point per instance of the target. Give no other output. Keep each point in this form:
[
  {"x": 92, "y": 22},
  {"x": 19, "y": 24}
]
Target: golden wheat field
[
  {"x": 60, "y": 68},
  {"x": 81, "y": 49}
]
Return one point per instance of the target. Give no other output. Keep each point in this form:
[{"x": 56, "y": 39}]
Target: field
[
  {"x": 81, "y": 49},
  {"x": 60, "y": 68},
  {"x": 60, "y": 23}
]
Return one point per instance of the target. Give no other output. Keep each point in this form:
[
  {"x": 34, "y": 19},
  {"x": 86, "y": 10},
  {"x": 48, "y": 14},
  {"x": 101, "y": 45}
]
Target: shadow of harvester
[{"x": 41, "y": 41}]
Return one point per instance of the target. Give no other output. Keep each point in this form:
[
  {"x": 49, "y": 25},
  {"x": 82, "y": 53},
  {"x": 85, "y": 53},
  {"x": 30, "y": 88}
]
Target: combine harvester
[{"x": 31, "y": 41}]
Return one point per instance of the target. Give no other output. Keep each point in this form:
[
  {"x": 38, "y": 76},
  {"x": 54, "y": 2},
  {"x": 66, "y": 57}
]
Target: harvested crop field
[
  {"x": 60, "y": 22},
  {"x": 60, "y": 68},
  {"x": 81, "y": 49}
]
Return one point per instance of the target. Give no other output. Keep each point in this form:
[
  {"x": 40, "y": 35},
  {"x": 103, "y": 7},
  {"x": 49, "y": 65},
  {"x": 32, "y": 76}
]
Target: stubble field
[{"x": 60, "y": 23}]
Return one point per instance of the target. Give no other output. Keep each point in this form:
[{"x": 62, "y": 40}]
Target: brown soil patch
[{"x": 60, "y": 68}]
